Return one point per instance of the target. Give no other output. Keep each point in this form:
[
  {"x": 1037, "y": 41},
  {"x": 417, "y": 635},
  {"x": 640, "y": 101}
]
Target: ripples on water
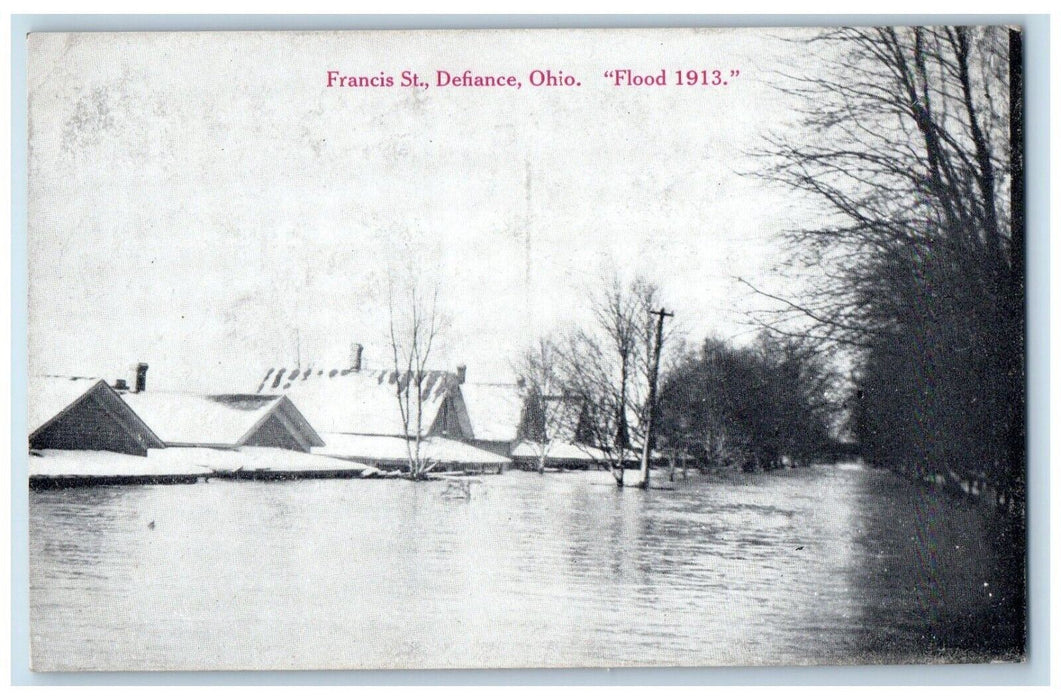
[{"x": 822, "y": 565}]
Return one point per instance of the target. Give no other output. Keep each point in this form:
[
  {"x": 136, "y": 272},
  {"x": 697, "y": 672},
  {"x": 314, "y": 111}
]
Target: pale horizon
[{"x": 196, "y": 217}]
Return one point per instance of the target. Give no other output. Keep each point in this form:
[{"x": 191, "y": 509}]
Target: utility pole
[{"x": 653, "y": 377}]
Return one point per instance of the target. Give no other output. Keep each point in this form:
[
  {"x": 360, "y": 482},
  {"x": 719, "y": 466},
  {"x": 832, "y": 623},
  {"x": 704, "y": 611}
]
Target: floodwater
[{"x": 821, "y": 565}]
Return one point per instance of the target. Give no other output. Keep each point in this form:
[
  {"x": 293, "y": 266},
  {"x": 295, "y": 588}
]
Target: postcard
[{"x": 526, "y": 348}]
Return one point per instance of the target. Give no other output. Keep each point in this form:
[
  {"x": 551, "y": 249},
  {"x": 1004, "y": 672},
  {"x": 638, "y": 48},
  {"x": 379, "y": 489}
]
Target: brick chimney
[
  {"x": 120, "y": 385},
  {"x": 141, "y": 378},
  {"x": 355, "y": 356},
  {"x": 462, "y": 373}
]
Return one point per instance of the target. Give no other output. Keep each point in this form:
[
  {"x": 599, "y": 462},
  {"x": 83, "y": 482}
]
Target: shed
[
  {"x": 225, "y": 420},
  {"x": 82, "y": 413}
]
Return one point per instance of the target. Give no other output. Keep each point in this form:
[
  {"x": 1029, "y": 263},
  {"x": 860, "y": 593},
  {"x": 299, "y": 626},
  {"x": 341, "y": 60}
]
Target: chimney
[
  {"x": 462, "y": 372},
  {"x": 355, "y": 356},
  {"x": 120, "y": 385},
  {"x": 141, "y": 378}
]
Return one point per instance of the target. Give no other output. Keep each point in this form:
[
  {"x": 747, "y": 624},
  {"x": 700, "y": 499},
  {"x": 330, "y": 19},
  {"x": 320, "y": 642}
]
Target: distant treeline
[{"x": 765, "y": 406}]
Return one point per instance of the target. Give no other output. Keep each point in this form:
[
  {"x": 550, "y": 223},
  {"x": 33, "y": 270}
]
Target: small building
[
  {"x": 507, "y": 421},
  {"x": 224, "y": 420},
  {"x": 496, "y": 415},
  {"x": 556, "y": 425},
  {"x": 83, "y": 413}
]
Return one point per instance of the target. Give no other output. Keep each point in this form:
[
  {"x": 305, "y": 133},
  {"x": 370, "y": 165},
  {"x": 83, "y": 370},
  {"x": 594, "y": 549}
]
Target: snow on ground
[
  {"x": 387, "y": 449},
  {"x": 564, "y": 451},
  {"x": 97, "y": 463},
  {"x": 181, "y": 461}
]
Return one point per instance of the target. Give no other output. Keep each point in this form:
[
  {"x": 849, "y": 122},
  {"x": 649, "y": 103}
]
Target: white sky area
[{"x": 196, "y": 198}]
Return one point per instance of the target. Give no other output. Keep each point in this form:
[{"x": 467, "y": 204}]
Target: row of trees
[
  {"x": 914, "y": 270},
  {"x": 911, "y": 145},
  {"x": 754, "y": 407}
]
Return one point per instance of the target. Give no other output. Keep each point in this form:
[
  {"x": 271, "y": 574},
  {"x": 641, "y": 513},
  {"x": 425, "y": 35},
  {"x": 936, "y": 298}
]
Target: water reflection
[
  {"x": 939, "y": 587},
  {"x": 809, "y": 566}
]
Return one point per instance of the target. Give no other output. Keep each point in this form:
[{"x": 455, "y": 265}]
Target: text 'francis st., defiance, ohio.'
[{"x": 539, "y": 77}]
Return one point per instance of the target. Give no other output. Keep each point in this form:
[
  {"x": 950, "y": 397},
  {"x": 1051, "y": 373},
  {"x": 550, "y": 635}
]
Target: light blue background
[{"x": 1036, "y": 76}]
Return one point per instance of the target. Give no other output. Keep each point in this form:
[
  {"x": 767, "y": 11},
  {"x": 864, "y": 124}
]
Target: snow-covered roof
[
  {"x": 349, "y": 401},
  {"x": 385, "y": 448},
  {"x": 251, "y": 458},
  {"x": 48, "y": 396},
  {"x": 495, "y": 410},
  {"x": 202, "y": 419}
]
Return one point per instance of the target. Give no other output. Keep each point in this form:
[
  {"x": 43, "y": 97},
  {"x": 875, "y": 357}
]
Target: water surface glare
[{"x": 821, "y": 565}]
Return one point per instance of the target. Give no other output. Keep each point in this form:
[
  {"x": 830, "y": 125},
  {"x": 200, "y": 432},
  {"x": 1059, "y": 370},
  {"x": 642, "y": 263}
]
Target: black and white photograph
[{"x": 526, "y": 348}]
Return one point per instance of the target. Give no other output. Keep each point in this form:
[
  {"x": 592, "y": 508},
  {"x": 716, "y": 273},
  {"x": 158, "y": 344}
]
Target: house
[
  {"x": 80, "y": 426},
  {"x": 495, "y": 413},
  {"x": 226, "y": 421},
  {"x": 82, "y": 413},
  {"x": 505, "y": 420},
  {"x": 556, "y": 427},
  {"x": 359, "y": 417}
]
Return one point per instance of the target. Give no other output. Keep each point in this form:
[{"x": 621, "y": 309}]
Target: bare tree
[
  {"x": 903, "y": 139},
  {"x": 415, "y": 323},
  {"x": 545, "y": 416},
  {"x": 606, "y": 367}
]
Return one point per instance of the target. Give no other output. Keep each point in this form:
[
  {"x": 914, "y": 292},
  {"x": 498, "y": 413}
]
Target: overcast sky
[{"x": 196, "y": 198}]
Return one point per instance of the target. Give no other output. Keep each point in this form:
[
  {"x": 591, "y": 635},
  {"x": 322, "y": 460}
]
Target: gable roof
[
  {"x": 214, "y": 419},
  {"x": 495, "y": 410},
  {"x": 49, "y": 398},
  {"x": 363, "y": 402}
]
